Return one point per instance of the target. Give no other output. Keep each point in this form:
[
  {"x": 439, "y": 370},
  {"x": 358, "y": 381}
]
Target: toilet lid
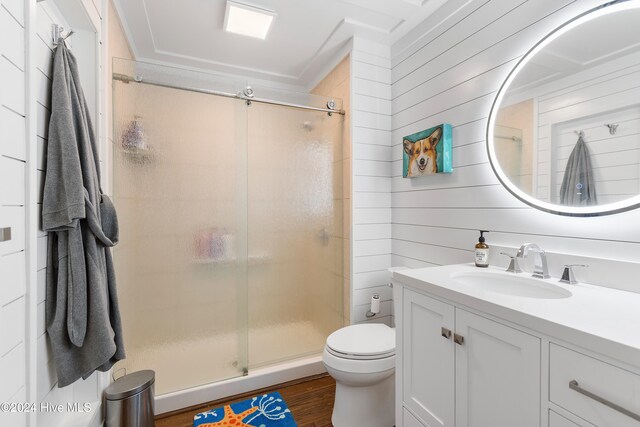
[{"x": 363, "y": 340}]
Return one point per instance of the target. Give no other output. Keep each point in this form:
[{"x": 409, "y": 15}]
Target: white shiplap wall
[
  {"x": 371, "y": 178},
  {"x": 13, "y": 156},
  {"x": 27, "y": 373},
  {"x": 449, "y": 70}
]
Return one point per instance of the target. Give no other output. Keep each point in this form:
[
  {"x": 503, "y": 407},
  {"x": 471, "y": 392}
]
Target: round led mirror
[{"x": 564, "y": 130}]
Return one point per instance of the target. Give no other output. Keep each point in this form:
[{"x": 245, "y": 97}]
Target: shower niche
[{"x": 222, "y": 267}]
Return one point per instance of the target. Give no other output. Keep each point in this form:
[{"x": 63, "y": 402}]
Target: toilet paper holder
[{"x": 375, "y": 306}]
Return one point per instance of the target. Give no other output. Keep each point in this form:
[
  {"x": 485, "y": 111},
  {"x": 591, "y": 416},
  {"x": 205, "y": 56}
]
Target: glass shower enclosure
[{"x": 231, "y": 221}]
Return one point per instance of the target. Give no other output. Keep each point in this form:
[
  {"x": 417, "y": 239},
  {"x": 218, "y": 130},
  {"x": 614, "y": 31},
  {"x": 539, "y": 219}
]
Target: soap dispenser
[{"x": 482, "y": 251}]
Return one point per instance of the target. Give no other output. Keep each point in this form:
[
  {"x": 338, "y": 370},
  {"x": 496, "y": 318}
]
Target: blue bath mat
[{"x": 268, "y": 410}]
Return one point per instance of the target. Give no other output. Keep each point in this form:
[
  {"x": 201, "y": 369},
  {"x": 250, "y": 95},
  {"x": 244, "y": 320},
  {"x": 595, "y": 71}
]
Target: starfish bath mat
[{"x": 268, "y": 410}]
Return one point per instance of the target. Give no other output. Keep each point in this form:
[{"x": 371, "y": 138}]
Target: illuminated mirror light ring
[{"x": 606, "y": 209}]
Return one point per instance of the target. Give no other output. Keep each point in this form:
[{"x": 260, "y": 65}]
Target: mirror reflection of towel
[{"x": 578, "y": 187}]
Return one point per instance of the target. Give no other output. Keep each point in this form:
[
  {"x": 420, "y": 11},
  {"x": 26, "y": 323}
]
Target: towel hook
[
  {"x": 579, "y": 133},
  {"x": 613, "y": 128},
  {"x": 57, "y": 32}
]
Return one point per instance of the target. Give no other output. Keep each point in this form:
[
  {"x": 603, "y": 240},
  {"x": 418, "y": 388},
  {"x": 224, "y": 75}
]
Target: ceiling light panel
[{"x": 248, "y": 20}]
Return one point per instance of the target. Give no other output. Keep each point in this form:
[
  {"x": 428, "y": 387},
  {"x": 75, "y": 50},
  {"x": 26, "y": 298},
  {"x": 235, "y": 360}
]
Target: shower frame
[
  {"x": 306, "y": 366},
  {"x": 247, "y": 94}
]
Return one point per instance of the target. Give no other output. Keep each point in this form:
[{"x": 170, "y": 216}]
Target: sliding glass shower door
[
  {"x": 231, "y": 227},
  {"x": 295, "y": 231},
  {"x": 180, "y": 190}
]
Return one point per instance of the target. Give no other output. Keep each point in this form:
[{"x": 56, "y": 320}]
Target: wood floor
[{"x": 310, "y": 400}]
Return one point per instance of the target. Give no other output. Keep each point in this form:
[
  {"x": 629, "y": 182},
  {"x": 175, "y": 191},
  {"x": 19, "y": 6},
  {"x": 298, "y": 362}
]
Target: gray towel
[
  {"x": 82, "y": 316},
  {"x": 578, "y": 186}
]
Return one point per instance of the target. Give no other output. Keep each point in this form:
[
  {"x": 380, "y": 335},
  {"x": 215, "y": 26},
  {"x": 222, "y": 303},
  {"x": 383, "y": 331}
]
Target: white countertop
[{"x": 601, "y": 319}]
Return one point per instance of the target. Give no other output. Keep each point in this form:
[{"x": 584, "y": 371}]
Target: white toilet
[{"x": 361, "y": 358}]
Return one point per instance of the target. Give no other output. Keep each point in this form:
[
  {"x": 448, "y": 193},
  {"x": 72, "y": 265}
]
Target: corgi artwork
[{"x": 422, "y": 154}]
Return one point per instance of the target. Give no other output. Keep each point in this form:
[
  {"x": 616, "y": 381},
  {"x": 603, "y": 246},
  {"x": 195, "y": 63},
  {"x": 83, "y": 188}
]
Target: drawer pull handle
[
  {"x": 445, "y": 332},
  {"x": 458, "y": 339},
  {"x": 573, "y": 385}
]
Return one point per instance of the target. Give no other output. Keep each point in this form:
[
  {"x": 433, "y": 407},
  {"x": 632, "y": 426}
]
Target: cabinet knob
[
  {"x": 445, "y": 332},
  {"x": 458, "y": 339},
  {"x": 5, "y": 234}
]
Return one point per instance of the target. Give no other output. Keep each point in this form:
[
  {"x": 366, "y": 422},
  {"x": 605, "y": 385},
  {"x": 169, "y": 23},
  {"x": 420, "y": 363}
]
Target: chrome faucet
[{"x": 540, "y": 269}]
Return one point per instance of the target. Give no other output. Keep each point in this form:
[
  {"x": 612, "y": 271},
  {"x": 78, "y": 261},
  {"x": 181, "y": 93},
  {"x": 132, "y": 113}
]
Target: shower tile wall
[{"x": 337, "y": 84}]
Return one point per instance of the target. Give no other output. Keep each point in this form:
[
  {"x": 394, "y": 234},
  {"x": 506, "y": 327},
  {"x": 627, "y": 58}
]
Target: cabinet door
[
  {"x": 408, "y": 420},
  {"x": 428, "y": 359},
  {"x": 556, "y": 420},
  {"x": 497, "y": 374}
]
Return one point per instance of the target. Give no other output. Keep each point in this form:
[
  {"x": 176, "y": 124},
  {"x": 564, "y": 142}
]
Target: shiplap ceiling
[{"x": 305, "y": 36}]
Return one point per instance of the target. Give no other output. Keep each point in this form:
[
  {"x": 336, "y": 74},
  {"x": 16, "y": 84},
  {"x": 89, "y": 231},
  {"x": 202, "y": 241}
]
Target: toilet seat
[
  {"x": 359, "y": 356},
  {"x": 363, "y": 342},
  {"x": 357, "y": 366}
]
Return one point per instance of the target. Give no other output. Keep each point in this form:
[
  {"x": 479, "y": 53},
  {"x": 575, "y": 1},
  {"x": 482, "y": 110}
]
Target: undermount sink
[{"x": 507, "y": 284}]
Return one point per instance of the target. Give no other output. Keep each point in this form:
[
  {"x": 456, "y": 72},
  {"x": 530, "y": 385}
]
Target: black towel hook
[{"x": 613, "y": 128}]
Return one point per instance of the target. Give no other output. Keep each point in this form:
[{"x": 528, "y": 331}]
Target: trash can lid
[{"x": 130, "y": 384}]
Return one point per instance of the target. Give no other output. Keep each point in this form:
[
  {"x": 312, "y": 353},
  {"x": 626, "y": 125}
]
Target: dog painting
[{"x": 427, "y": 152}]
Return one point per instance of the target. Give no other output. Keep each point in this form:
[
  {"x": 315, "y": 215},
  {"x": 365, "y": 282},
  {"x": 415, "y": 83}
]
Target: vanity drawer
[{"x": 599, "y": 379}]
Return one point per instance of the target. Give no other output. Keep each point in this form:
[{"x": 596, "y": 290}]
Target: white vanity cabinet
[
  {"x": 469, "y": 357},
  {"x": 461, "y": 369}
]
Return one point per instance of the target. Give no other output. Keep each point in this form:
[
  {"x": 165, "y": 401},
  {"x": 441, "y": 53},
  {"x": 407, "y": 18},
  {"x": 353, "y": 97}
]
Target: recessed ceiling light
[{"x": 247, "y": 20}]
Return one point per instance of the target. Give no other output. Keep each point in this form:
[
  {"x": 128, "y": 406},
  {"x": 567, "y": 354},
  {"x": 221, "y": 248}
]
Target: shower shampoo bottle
[{"x": 482, "y": 251}]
